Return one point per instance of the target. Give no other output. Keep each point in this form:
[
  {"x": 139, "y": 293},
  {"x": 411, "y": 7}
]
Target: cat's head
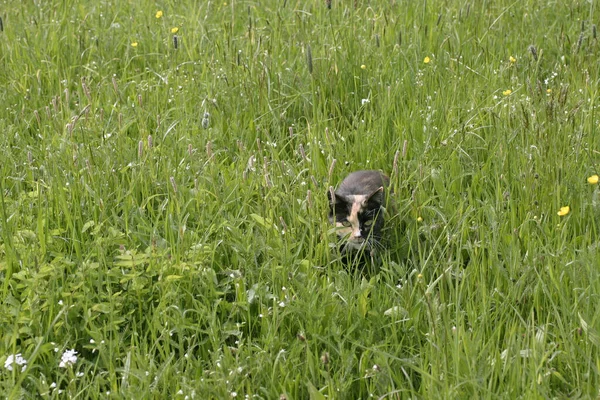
[{"x": 356, "y": 210}]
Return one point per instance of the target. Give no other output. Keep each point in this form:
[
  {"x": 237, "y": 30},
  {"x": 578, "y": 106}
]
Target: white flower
[
  {"x": 365, "y": 101},
  {"x": 15, "y": 359},
  {"x": 68, "y": 358}
]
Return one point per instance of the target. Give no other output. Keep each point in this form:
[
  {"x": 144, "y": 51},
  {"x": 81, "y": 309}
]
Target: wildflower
[
  {"x": 512, "y": 59},
  {"x": 419, "y": 219},
  {"x": 564, "y": 211},
  {"x": 593, "y": 180},
  {"x": 548, "y": 91},
  {"x": 68, "y": 358},
  {"x": 134, "y": 44},
  {"x": 365, "y": 101},
  {"x": 159, "y": 14},
  {"x": 174, "y": 30},
  {"x": 426, "y": 60},
  {"x": 363, "y": 66},
  {"x": 15, "y": 359},
  {"x": 507, "y": 92}
]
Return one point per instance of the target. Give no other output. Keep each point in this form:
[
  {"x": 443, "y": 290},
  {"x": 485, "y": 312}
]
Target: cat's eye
[
  {"x": 368, "y": 223},
  {"x": 346, "y": 224}
]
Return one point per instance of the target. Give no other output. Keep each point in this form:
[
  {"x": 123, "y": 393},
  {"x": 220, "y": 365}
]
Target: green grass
[{"x": 183, "y": 261}]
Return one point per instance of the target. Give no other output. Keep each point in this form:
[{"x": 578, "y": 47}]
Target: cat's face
[{"x": 356, "y": 210}]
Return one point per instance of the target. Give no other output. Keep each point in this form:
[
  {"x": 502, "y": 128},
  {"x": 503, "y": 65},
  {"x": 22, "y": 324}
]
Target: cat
[{"x": 357, "y": 210}]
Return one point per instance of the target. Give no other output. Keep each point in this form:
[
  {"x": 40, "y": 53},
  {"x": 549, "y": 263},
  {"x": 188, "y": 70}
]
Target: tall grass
[{"x": 163, "y": 207}]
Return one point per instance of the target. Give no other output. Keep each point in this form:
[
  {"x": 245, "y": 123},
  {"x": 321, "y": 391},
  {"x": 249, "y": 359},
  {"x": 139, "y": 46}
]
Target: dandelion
[
  {"x": 159, "y": 14},
  {"x": 564, "y": 211},
  {"x": 548, "y": 91},
  {"x": 593, "y": 180},
  {"x": 426, "y": 60},
  {"x": 363, "y": 66},
  {"x": 68, "y": 358},
  {"x": 15, "y": 359},
  {"x": 512, "y": 59},
  {"x": 174, "y": 30},
  {"x": 507, "y": 92},
  {"x": 134, "y": 44}
]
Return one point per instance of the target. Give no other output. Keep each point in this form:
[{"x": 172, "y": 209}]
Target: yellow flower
[
  {"x": 134, "y": 44},
  {"x": 159, "y": 14},
  {"x": 548, "y": 91},
  {"x": 564, "y": 211},
  {"x": 419, "y": 219},
  {"x": 507, "y": 92},
  {"x": 174, "y": 30},
  {"x": 592, "y": 180},
  {"x": 426, "y": 60},
  {"x": 512, "y": 59},
  {"x": 363, "y": 66}
]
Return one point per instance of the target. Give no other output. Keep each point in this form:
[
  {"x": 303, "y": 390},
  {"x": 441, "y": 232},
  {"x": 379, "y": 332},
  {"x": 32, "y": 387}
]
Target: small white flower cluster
[
  {"x": 68, "y": 358},
  {"x": 15, "y": 359}
]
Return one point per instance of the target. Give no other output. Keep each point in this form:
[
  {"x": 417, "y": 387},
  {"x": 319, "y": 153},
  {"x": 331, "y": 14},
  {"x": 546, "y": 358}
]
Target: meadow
[{"x": 163, "y": 213}]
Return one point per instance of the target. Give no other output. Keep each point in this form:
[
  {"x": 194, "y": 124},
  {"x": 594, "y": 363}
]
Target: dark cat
[{"x": 357, "y": 209}]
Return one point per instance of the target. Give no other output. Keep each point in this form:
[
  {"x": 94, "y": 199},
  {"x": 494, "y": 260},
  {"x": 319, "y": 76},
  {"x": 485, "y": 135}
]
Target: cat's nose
[{"x": 356, "y": 234}]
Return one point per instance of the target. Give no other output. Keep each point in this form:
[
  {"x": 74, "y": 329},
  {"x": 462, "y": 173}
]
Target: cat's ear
[
  {"x": 333, "y": 197},
  {"x": 376, "y": 196}
]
